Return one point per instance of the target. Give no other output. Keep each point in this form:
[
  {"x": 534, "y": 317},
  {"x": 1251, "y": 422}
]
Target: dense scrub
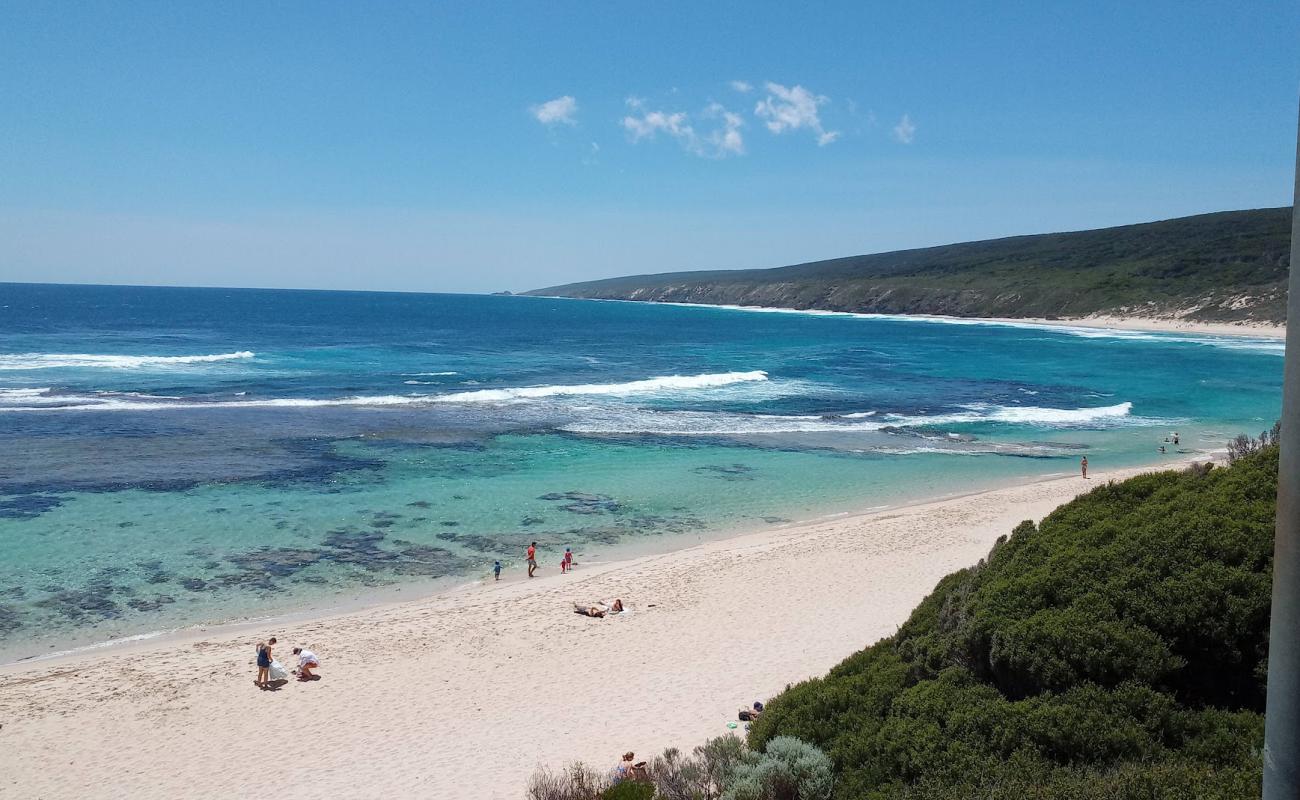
[
  {"x": 1228, "y": 266},
  {"x": 1117, "y": 650}
]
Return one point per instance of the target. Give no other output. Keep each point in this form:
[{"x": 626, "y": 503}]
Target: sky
[{"x": 478, "y": 146}]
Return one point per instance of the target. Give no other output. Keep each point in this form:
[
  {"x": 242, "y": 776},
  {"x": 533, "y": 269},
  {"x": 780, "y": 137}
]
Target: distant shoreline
[{"x": 1107, "y": 322}]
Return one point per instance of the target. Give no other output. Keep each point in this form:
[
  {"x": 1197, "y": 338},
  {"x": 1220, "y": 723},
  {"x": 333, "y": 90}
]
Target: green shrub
[
  {"x": 702, "y": 776},
  {"x": 788, "y": 769},
  {"x": 1118, "y": 649},
  {"x": 629, "y": 790}
]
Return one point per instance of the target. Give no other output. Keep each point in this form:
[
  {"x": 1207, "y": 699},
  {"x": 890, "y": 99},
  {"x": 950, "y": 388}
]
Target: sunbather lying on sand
[{"x": 599, "y": 609}]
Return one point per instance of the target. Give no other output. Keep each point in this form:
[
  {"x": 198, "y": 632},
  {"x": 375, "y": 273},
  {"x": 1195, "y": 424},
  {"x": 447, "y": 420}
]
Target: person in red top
[{"x": 532, "y": 559}]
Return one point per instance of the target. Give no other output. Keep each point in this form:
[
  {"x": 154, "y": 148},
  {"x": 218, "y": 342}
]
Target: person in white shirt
[{"x": 307, "y": 662}]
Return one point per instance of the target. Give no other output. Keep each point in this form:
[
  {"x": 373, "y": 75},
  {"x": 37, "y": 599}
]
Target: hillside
[
  {"x": 1224, "y": 267},
  {"x": 1116, "y": 650}
]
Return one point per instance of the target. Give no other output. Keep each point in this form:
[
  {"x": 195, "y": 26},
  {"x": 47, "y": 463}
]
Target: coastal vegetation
[
  {"x": 1224, "y": 267},
  {"x": 1118, "y": 649}
]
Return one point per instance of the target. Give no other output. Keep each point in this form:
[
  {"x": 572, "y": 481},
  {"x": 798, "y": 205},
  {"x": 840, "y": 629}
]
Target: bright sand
[{"x": 463, "y": 694}]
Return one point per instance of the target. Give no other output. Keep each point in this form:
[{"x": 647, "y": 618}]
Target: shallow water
[{"x": 174, "y": 456}]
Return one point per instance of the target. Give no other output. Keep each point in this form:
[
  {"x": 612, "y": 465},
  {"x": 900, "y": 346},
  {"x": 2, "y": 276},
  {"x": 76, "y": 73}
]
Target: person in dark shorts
[{"x": 264, "y": 662}]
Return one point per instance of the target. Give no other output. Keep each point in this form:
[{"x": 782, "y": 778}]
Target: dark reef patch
[
  {"x": 95, "y": 600},
  {"x": 29, "y": 506},
  {"x": 9, "y": 620},
  {"x": 726, "y": 472},
  {"x": 150, "y": 604},
  {"x": 585, "y": 502}
]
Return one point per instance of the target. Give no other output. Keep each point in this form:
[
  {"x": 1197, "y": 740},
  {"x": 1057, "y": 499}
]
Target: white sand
[
  {"x": 461, "y": 695},
  {"x": 1262, "y": 330}
]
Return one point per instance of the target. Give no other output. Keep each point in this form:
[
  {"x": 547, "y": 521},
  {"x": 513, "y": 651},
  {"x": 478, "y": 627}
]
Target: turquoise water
[{"x": 179, "y": 456}]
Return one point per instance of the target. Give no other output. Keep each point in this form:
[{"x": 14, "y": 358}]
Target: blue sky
[{"x": 484, "y": 146}]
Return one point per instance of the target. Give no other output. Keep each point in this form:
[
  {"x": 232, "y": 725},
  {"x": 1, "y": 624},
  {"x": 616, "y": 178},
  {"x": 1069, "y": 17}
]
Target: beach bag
[{"x": 278, "y": 672}]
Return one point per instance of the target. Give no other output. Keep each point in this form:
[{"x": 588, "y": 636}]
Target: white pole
[{"x": 1282, "y": 711}]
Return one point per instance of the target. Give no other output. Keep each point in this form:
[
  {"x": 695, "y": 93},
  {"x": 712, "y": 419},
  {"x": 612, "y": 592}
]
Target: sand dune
[{"x": 461, "y": 695}]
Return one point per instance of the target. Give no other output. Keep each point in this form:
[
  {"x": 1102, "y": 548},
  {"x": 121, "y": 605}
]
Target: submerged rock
[
  {"x": 29, "y": 506},
  {"x": 726, "y": 472}
]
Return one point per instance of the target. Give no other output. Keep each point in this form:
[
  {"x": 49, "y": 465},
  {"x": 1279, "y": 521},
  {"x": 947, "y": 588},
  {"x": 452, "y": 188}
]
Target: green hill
[
  {"x": 1230, "y": 266},
  {"x": 1116, "y": 650}
]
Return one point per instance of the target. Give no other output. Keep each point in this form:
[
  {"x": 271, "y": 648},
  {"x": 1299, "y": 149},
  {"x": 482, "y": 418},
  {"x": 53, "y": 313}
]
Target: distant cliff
[{"x": 1225, "y": 267}]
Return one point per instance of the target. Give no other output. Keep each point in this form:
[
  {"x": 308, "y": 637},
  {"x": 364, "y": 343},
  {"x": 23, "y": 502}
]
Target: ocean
[{"x": 175, "y": 457}]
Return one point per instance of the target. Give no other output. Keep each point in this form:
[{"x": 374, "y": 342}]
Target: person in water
[
  {"x": 532, "y": 559},
  {"x": 307, "y": 661},
  {"x": 496, "y": 569},
  {"x": 1083, "y": 465}
]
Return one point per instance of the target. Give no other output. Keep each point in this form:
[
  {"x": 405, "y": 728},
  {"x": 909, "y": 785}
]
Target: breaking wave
[
  {"x": 669, "y": 383},
  {"x": 45, "y": 399},
  {"x": 26, "y": 361},
  {"x": 630, "y": 421}
]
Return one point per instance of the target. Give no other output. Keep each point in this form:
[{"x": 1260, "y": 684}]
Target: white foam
[
  {"x": 429, "y": 374},
  {"x": 668, "y": 383},
  {"x": 109, "y": 401},
  {"x": 630, "y": 421},
  {"x": 27, "y": 361}
]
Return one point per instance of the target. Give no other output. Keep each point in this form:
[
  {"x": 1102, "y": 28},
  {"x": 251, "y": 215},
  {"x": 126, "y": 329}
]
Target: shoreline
[
  {"x": 360, "y": 600},
  {"x": 489, "y": 680},
  {"x": 1105, "y": 322}
]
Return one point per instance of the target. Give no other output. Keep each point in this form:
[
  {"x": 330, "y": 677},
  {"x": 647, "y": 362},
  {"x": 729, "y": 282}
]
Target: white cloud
[
  {"x": 728, "y": 139},
  {"x": 905, "y": 131},
  {"x": 744, "y": 87},
  {"x": 561, "y": 110},
  {"x": 793, "y": 108},
  {"x": 721, "y": 141}
]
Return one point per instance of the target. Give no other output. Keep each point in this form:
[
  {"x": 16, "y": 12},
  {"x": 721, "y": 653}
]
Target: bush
[
  {"x": 629, "y": 790},
  {"x": 788, "y": 769},
  {"x": 1118, "y": 649},
  {"x": 703, "y": 776},
  {"x": 575, "y": 782}
]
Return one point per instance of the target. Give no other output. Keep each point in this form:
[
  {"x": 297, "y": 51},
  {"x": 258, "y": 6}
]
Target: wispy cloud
[
  {"x": 744, "y": 87},
  {"x": 905, "y": 131},
  {"x": 560, "y": 111},
  {"x": 793, "y": 108},
  {"x": 722, "y": 140}
]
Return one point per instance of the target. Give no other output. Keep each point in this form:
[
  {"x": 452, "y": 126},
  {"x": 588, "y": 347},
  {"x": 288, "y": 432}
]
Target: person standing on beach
[
  {"x": 568, "y": 558},
  {"x": 496, "y": 569},
  {"x": 1083, "y": 465},
  {"x": 532, "y": 559},
  {"x": 264, "y": 659}
]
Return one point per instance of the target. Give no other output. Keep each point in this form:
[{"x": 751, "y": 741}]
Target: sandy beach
[
  {"x": 1153, "y": 325},
  {"x": 463, "y": 694}
]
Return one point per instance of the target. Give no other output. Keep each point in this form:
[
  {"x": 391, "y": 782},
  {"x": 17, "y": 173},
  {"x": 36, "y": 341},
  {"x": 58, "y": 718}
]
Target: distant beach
[{"x": 462, "y": 694}]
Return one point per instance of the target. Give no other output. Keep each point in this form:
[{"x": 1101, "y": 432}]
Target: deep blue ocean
[{"x": 182, "y": 456}]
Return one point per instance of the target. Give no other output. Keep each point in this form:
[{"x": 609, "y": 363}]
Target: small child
[
  {"x": 564, "y": 565},
  {"x": 496, "y": 569},
  {"x": 568, "y": 558}
]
